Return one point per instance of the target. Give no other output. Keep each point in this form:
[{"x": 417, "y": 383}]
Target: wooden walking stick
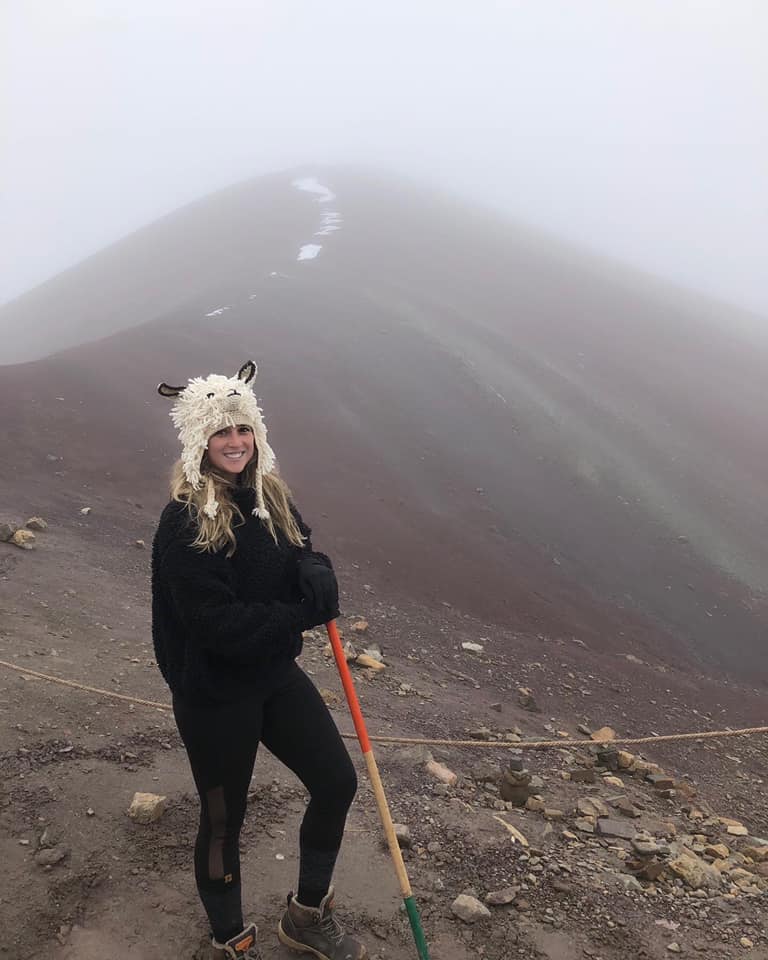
[{"x": 378, "y": 790}]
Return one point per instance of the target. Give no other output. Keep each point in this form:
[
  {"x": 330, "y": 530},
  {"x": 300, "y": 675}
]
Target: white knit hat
[{"x": 208, "y": 404}]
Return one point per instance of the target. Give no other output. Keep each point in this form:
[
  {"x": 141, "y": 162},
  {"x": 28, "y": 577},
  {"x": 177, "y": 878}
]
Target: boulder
[
  {"x": 8, "y": 528},
  {"x": 469, "y": 909},
  {"x": 620, "y": 829},
  {"x": 36, "y": 523},
  {"x": 501, "y": 898},
  {"x": 23, "y": 538},
  {"x": 440, "y": 772},
  {"x": 50, "y": 856},
  {"x": 695, "y": 872},
  {"x": 603, "y": 735},
  {"x": 403, "y": 834},
  {"x": 592, "y": 807},
  {"x": 146, "y": 807}
]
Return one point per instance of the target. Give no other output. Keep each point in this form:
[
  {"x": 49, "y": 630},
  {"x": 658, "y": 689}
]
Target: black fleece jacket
[{"x": 226, "y": 628}]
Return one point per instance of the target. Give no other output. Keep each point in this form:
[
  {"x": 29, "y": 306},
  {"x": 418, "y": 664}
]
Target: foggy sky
[{"x": 633, "y": 127}]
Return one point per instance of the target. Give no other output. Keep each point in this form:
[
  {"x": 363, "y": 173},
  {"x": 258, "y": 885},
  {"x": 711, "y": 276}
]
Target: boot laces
[{"x": 331, "y": 927}]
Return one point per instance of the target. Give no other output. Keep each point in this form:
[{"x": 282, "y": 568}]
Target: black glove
[
  {"x": 316, "y": 618},
  {"x": 318, "y": 586}
]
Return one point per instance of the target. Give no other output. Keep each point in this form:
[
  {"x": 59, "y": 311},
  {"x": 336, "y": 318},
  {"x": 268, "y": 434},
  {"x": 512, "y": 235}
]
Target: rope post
[{"x": 378, "y": 791}]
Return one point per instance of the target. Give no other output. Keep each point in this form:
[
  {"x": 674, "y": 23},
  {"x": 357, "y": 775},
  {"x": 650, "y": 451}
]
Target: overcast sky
[{"x": 634, "y": 127}]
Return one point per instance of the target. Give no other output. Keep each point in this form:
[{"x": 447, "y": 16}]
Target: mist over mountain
[{"x": 484, "y": 416}]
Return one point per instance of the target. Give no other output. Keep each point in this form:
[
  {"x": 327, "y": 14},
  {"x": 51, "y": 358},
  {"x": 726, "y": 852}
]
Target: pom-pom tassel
[
  {"x": 260, "y": 510},
  {"x": 211, "y": 507}
]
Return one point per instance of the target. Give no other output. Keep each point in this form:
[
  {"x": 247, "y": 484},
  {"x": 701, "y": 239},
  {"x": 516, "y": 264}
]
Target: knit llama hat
[{"x": 208, "y": 404}]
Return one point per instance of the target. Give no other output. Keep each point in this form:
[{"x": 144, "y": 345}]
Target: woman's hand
[{"x": 319, "y": 588}]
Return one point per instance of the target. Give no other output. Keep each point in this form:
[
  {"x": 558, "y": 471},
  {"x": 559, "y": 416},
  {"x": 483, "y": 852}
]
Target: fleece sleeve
[
  {"x": 203, "y": 593},
  {"x": 307, "y": 551}
]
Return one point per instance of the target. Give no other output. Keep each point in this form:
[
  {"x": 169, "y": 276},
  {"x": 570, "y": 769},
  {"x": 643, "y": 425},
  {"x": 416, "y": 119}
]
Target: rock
[
  {"x": 647, "y": 869},
  {"x": 146, "y": 807},
  {"x": 518, "y": 796},
  {"x": 603, "y": 735},
  {"x": 469, "y": 909},
  {"x": 626, "y": 760},
  {"x": 441, "y": 773},
  {"x": 501, "y": 898},
  {"x": 36, "y": 523},
  {"x": 8, "y": 528},
  {"x": 534, "y": 804},
  {"x": 616, "y": 782},
  {"x": 608, "y": 757},
  {"x": 756, "y": 853},
  {"x": 515, "y": 787},
  {"x": 584, "y": 825},
  {"x": 737, "y": 830},
  {"x": 660, "y": 781},
  {"x": 359, "y": 626},
  {"x": 626, "y": 808},
  {"x": 592, "y": 807},
  {"x": 684, "y": 789},
  {"x": 746, "y": 943},
  {"x": 515, "y": 761},
  {"x": 550, "y": 813},
  {"x": 620, "y": 829},
  {"x": 485, "y": 771},
  {"x": 139, "y": 544},
  {"x": 49, "y": 857},
  {"x": 674, "y": 947},
  {"x": 694, "y": 872},
  {"x": 403, "y": 834},
  {"x": 583, "y": 775},
  {"x": 718, "y": 851},
  {"x": 330, "y": 696},
  {"x": 659, "y": 828},
  {"x": 472, "y": 647},
  {"x": 374, "y": 651},
  {"x": 85, "y": 511},
  {"x": 481, "y": 733},
  {"x": 646, "y": 847},
  {"x": 527, "y": 701},
  {"x": 364, "y": 660},
  {"x": 23, "y": 538}
]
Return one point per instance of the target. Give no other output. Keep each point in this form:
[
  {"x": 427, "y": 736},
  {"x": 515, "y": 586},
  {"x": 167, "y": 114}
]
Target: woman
[{"x": 234, "y": 582}]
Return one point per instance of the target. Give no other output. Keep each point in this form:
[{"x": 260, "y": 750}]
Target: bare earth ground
[{"x": 77, "y": 607}]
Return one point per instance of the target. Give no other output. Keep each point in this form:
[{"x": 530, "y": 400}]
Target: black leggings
[{"x": 293, "y": 723}]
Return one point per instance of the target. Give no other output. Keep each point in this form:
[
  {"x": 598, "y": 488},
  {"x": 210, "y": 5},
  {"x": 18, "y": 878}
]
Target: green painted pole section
[{"x": 418, "y": 933}]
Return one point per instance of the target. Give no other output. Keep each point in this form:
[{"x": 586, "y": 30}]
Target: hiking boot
[
  {"x": 240, "y": 947},
  {"x": 315, "y": 930}
]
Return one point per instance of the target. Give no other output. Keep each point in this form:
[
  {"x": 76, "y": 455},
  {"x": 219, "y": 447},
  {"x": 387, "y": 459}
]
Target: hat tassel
[
  {"x": 211, "y": 507},
  {"x": 260, "y": 510}
]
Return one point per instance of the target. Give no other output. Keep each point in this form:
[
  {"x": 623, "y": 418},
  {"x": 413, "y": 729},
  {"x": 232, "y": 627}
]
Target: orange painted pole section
[{"x": 378, "y": 791}]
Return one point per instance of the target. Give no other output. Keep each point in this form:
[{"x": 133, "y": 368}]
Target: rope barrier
[{"x": 423, "y": 741}]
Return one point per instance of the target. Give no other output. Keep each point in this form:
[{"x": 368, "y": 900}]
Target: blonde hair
[{"x": 216, "y": 533}]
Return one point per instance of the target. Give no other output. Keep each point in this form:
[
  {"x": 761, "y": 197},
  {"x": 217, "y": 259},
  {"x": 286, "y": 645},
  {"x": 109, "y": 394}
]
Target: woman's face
[{"x": 230, "y": 450}]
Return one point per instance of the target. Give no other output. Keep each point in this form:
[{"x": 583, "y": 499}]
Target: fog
[{"x": 633, "y": 128}]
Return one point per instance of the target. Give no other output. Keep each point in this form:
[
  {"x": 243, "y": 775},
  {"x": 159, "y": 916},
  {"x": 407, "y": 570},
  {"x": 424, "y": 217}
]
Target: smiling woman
[
  {"x": 235, "y": 582},
  {"x": 231, "y": 449}
]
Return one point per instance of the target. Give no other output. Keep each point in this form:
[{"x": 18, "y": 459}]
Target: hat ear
[
  {"x": 247, "y": 372},
  {"x": 165, "y": 391}
]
